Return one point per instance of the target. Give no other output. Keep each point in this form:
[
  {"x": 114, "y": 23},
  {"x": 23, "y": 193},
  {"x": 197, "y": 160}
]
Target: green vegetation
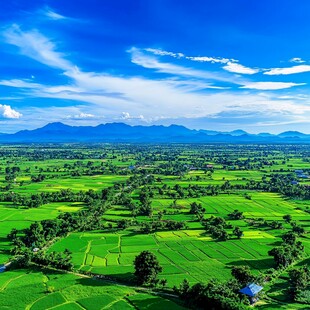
[{"x": 83, "y": 225}]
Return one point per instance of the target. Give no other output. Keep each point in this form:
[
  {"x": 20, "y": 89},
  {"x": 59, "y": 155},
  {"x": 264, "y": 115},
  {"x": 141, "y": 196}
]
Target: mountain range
[{"x": 120, "y": 132}]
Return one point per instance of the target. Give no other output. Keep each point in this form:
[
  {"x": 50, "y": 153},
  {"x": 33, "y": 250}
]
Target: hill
[{"x": 120, "y": 132}]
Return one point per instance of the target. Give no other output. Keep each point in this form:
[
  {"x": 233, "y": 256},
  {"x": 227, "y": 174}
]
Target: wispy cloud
[
  {"x": 51, "y": 14},
  {"x": 238, "y": 68},
  {"x": 297, "y": 60},
  {"x": 81, "y": 116},
  {"x": 289, "y": 70},
  {"x": 231, "y": 65},
  {"x": 271, "y": 85},
  {"x": 128, "y": 116},
  {"x": 149, "y": 62},
  {"x": 209, "y": 59},
  {"x": 160, "y": 52},
  {"x": 19, "y": 83},
  {"x": 36, "y": 46}
]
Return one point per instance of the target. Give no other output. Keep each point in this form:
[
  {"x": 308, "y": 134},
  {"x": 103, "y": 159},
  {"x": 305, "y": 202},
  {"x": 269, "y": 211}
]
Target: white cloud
[
  {"x": 297, "y": 60},
  {"x": 271, "y": 85},
  {"x": 36, "y": 46},
  {"x": 127, "y": 116},
  {"x": 7, "y": 112},
  {"x": 160, "y": 52},
  {"x": 81, "y": 116},
  {"x": 209, "y": 59},
  {"x": 238, "y": 68},
  {"x": 290, "y": 70}
]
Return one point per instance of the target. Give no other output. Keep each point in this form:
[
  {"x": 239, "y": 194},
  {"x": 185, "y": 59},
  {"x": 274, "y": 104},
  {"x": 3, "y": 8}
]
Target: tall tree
[{"x": 147, "y": 268}]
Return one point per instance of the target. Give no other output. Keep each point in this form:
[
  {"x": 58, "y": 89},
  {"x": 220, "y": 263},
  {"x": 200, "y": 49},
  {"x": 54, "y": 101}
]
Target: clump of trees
[
  {"x": 299, "y": 282},
  {"x": 288, "y": 252},
  {"x": 212, "y": 295},
  {"x": 215, "y": 226},
  {"x": 196, "y": 208},
  {"x": 37, "y": 178},
  {"x": 260, "y": 222},
  {"x": 41, "y": 234},
  {"x": 238, "y": 232},
  {"x": 159, "y": 225},
  {"x": 236, "y": 215},
  {"x": 56, "y": 260}
]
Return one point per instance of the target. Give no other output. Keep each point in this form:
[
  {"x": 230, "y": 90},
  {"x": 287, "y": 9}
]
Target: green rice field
[{"x": 260, "y": 182}]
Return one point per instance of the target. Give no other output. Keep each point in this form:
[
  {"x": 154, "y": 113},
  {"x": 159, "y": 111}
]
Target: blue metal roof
[{"x": 251, "y": 289}]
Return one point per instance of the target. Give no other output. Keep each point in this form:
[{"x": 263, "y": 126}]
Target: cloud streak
[
  {"x": 36, "y": 46},
  {"x": 288, "y": 70},
  {"x": 271, "y": 85},
  {"x": 51, "y": 14},
  {"x": 238, "y": 68}
]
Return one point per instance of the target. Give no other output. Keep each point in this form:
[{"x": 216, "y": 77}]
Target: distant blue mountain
[
  {"x": 292, "y": 134},
  {"x": 120, "y": 132}
]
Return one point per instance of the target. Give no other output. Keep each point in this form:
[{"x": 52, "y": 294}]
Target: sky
[{"x": 218, "y": 65}]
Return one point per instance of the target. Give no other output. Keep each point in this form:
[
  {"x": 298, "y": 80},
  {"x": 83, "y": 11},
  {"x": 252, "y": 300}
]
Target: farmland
[{"x": 131, "y": 198}]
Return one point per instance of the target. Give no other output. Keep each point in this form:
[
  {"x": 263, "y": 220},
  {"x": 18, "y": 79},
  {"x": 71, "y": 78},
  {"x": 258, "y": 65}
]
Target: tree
[
  {"x": 298, "y": 230},
  {"x": 146, "y": 268},
  {"x": 287, "y": 218},
  {"x": 196, "y": 208},
  {"x": 236, "y": 215},
  {"x": 242, "y": 274},
  {"x": 238, "y": 232},
  {"x": 289, "y": 238},
  {"x": 183, "y": 289},
  {"x": 163, "y": 282},
  {"x": 299, "y": 280},
  {"x": 287, "y": 254}
]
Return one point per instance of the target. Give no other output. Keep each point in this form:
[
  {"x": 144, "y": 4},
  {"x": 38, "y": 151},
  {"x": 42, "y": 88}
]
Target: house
[
  {"x": 2, "y": 268},
  {"x": 251, "y": 290},
  {"x": 208, "y": 167}
]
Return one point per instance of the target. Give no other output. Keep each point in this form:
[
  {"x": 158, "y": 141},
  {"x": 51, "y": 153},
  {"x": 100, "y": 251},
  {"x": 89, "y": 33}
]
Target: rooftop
[{"x": 251, "y": 289}]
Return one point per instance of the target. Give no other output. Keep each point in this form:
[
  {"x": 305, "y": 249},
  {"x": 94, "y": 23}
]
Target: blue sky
[{"x": 219, "y": 65}]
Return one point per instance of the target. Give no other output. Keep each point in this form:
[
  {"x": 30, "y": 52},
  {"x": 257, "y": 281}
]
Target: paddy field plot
[
  {"x": 189, "y": 253},
  {"x": 20, "y": 218},
  {"x": 27, "y": 289}
]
